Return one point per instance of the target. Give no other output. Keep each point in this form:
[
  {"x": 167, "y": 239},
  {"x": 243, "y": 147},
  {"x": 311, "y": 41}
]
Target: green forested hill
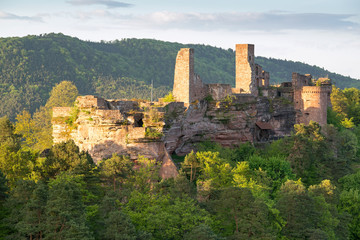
[{"x": 32, "y": 65}]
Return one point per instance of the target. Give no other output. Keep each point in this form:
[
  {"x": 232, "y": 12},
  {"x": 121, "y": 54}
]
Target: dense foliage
[
  {"x": 308, "y": 190},
  {"x": 32, "y": 65},
  {"x": 301, "y": 187}
]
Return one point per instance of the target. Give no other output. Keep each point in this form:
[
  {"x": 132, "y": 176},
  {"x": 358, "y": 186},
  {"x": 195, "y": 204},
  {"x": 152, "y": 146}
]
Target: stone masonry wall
[
  {"x": 299, "y": 80},
  {"x": 314, "y": 101},
  {"x": 197, "y": 89},
  {"x": 262, "y": 78},
  {"x": 245, "y": 69},
  {"x": 266, "y": 80},
  {"x": 188, "y": 86},
  {"x": 90, "y": 101},
  {"x": 123, "y": 105},
  {"x": 218, "y": 91},
  {"x": 184, "y": 70},
  {"x": 310, "y": 102},
  {"x": 297, "y": 83}
]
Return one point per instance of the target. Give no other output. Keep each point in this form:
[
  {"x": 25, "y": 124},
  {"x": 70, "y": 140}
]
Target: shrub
[
  {"x": 153, "y": 133},
  {"x": 169, "y": 98}
]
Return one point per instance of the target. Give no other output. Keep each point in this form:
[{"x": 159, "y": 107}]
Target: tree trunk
[
  {"x": 236, "y": 222},
  {"x": 114, "y": 184},
  {"x": 191, "y": 174},
  {"x": 194, "y": 173}
]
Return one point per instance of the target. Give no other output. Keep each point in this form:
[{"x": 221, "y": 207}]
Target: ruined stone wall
[
  {"x": 328, "y": 89},
  {"x": 297, "y": 83},
  {"x": 197, "y": 89},
  {"x": 188, "y": 86},
  {"x": 90, "y": 101},
  {"x": 243, "y": 99},
  {"x": 262, "y": 78},
  {"x": 123, "y": 105},
  {"x": 218, "y": 91},
  {"x": 310, "y": 102},
  {"x": 268, "y": 92},
  {"x": 184, "y": 70},
  {"x": 327, "y": 85},
  {"x": 288, "y": 94},
  {"x": 104, "y": 116},
  {"x": 258, "y": 75},
  {"x": 245, "y": 69},
  {"x": 299, "y": 80},
  {"x": 266, "y": 79},
  {"x": 313, "y": 104}
]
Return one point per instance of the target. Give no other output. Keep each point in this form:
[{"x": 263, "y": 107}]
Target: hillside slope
[{"x": 32, "y": 65}]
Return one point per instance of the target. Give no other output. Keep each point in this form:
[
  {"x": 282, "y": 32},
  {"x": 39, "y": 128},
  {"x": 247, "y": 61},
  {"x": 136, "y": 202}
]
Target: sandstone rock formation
[
  {"x": 229, "y": 122},
  {"x": 104, "y": 127}
]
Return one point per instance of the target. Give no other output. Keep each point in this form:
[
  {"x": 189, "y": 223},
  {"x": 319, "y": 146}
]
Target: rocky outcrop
[
  {"x": 229, "y": 122},
  {"x": 103, "y": 127},
  {"x": 155, "y": 130}
]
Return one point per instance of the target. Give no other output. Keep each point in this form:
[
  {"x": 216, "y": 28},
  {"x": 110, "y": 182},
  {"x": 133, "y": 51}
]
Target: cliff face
[{"x": 235, "y": 120}]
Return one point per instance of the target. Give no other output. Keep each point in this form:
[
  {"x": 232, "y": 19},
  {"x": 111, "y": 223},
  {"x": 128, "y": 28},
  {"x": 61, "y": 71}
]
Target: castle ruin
[
  {"x": 249, "y": 76},
  {"x": 310, "y": 102},
  {"x": 188, "y": 86},
  {"x": 253, "y": 111}
]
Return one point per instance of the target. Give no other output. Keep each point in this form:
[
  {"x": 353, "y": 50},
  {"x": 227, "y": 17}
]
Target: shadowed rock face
[{"x": 227, "y": 123}]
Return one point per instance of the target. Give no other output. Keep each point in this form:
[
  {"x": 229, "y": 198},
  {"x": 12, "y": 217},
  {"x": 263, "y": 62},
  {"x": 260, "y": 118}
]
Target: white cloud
[
  {"x": 227, "y": 21},
  {"x": 107, "y": 3},
  {"x": 269, "y": 21},
  {"x": 10, "y": 16},
  {"x": 234, "y": 21}
]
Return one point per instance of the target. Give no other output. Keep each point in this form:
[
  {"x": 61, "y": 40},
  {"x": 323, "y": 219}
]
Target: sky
[{"x": 325, "y": 33}]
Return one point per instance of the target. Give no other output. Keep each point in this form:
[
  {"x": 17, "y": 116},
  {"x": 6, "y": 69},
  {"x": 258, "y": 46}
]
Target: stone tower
[
  {"x": 188, "y": 86},
  {"x": 310, "y": 102},
  {"x": 314, "y": 101},
  {"x": 245, "y": 69}
]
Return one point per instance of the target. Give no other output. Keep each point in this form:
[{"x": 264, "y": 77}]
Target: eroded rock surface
[
  {"x": 105, "y": 127},
  {"x": 228, "y": 122}
]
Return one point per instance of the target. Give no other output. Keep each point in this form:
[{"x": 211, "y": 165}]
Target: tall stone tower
[
  {"x": 245, "y": 69},
  {"x": 188, "y": 86}
]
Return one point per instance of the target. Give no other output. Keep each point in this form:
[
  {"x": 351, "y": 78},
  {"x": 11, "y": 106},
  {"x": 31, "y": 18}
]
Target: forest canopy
[{"x": 304, "y": 186}]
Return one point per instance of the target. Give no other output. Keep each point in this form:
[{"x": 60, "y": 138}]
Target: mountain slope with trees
[
  {"x": 30, "y": 66},
  {"x": 304, "y": 186}
]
